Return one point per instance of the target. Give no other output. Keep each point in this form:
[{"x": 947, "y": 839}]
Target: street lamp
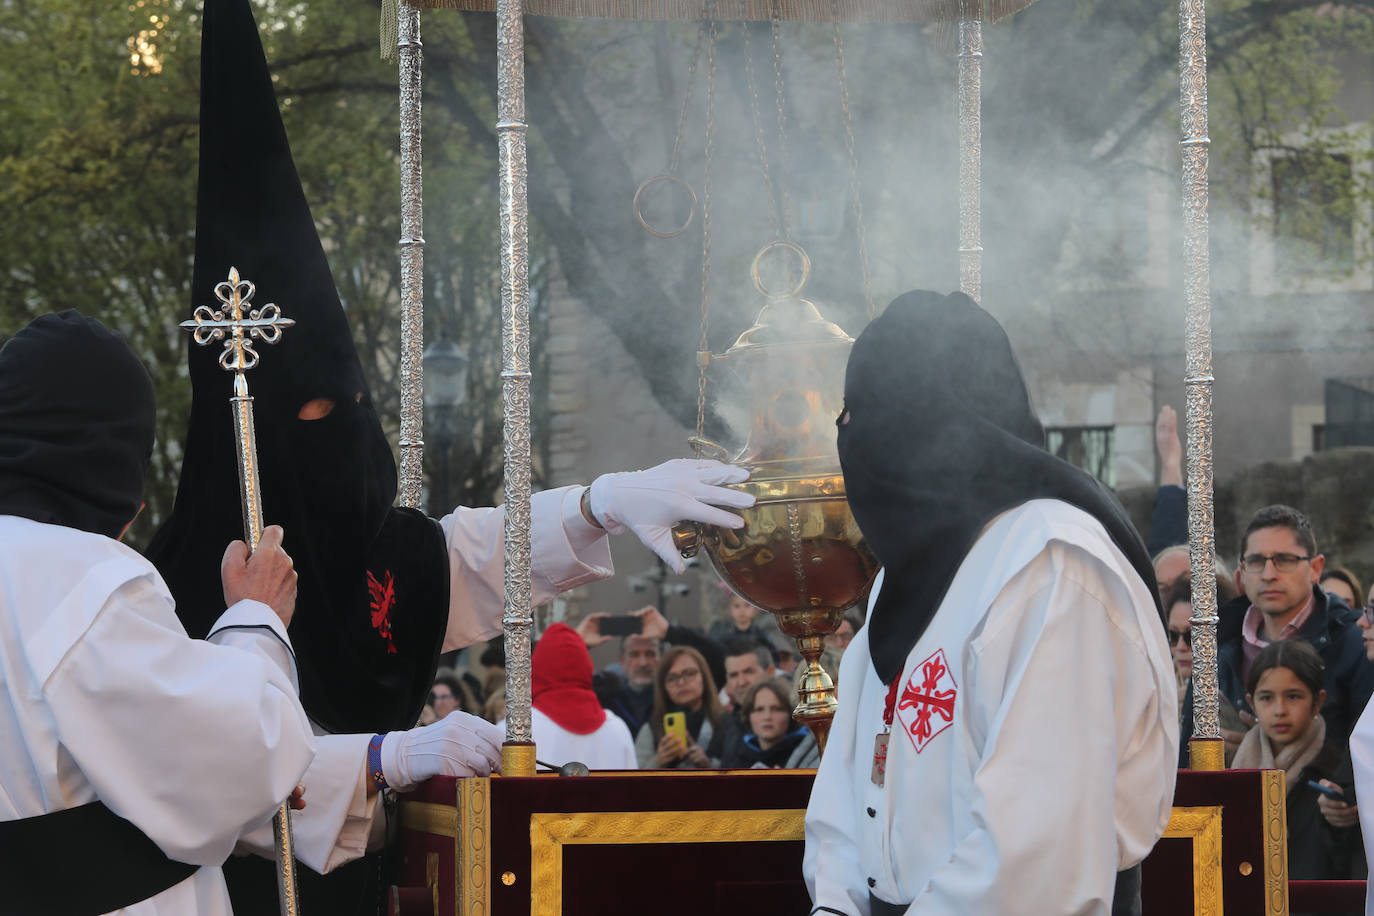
[{"x": 445, "y": 369}]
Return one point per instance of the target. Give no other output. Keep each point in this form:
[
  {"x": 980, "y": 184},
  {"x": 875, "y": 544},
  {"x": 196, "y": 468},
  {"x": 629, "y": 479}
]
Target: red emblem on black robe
[{"x": 383, "y": 600}]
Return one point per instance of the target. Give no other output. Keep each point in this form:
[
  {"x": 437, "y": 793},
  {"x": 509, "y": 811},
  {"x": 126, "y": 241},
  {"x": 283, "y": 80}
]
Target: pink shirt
[{"x": 1254, "y": 640}]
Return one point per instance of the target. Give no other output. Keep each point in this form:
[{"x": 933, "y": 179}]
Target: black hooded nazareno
[{"x": 373, "y": 590}]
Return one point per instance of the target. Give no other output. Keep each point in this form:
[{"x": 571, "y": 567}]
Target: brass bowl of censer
[{"x": 800, "y": 554}]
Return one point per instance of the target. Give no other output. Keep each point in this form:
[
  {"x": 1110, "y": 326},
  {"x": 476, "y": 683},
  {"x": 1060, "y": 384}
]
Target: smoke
[{"x": 1081, "y": 200}]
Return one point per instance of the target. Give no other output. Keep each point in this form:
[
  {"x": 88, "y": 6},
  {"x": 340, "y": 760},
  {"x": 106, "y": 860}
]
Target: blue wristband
[{"x": 374, "y": 761}]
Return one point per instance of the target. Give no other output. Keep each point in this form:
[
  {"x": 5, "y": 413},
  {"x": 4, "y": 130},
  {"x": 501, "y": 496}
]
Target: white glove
[
  {"x": 651, "y": 502},
  {"x": 456, "y": 745}
]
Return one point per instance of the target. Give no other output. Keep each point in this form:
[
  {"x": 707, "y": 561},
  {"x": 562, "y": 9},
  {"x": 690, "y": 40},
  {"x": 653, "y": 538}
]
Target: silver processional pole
[
  {"x": 1205, "y": 748},
  {"x": 517, "y": 755},
  {"x": 412, "y": 247},
  {"x": 238, "y": 323},
  {"x": 971, "y": 152}
]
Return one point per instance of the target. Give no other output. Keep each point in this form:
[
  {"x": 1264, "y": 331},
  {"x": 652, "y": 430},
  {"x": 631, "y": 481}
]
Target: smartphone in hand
[
  {"x": 619, "y": 625},
  {"x": 1335, "y": 794},
  {"x": 675, "y": 724}
]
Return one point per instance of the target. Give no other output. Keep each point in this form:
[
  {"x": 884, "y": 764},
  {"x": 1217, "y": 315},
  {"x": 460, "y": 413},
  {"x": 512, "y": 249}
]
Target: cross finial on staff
[{"x": 265, "y": 324}]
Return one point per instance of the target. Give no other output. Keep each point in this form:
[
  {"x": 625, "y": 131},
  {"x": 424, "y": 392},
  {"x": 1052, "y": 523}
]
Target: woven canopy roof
[{"x": 791, "y": 10}]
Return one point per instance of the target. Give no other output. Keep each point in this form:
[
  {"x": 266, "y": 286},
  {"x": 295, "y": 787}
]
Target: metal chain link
[
  {"x": 778, "y": 223},
  {"x": 674, "y": 159},
  {"x": 784, "y": 169},
  {"x": 854, "y": 184},
  {"x": 704, "y": 348}
]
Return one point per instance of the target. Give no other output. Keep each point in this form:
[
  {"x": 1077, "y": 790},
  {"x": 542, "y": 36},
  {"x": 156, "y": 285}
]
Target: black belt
[
  {"x": 83, "y": 861},
  {"x": 1125, "y": 898}
]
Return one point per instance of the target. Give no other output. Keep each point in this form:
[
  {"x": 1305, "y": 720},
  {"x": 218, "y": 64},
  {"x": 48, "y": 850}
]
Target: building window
[
  {"x": 1086, "y": 447},
  {"x": 1314, "y": 214},
  {"x": 1349, "y": 413}
]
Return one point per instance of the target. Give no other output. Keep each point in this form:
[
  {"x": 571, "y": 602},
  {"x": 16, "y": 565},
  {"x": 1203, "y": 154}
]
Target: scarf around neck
[{"x": 1257, "y": 753}]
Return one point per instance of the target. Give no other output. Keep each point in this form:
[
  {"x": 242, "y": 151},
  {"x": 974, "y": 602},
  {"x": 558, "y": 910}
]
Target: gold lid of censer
[{"x": 800, "y": 553}]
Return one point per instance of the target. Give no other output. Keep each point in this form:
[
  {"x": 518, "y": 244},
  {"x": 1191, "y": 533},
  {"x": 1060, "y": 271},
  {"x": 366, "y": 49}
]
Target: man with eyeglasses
[{"x": 1280, "y": 599}]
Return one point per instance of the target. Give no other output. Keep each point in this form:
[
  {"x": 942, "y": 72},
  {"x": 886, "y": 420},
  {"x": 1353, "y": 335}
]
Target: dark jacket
[
  {"x": 1332, "y": 632},
  {"x": 749, "y": 754},
  {"x": 1316, "y": 850},
  {"x": 1169, "y": 520},
  {"x": 615, "y": 693}
]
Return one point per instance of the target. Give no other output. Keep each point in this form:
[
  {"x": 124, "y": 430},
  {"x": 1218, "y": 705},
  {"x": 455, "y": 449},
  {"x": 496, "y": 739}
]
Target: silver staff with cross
[{"x": 239, "y": 326}]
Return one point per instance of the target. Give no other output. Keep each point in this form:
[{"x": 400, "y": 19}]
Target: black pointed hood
[
  {"x": 365, "y": 658},
  {"x": 940, "y": 439}
]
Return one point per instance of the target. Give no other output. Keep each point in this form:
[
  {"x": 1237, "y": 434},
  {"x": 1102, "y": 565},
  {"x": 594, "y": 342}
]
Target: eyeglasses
[
  {"x": 681, "y": 677},
  {"x": 1283, "y": 562},
  {"x": 1185, "y": 635},
  {"x": 436, "y": 697}
]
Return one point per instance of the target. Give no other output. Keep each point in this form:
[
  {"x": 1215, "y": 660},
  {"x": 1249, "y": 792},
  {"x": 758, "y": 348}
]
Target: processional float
[{"x": 525, "y": 844}]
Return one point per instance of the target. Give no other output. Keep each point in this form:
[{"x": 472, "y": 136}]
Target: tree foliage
[{"x": 98, "y": 133}]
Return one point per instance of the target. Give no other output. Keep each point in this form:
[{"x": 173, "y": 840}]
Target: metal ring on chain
[
  {"x": 805, "y": 270},
  {"x": 691, "y": 211}
]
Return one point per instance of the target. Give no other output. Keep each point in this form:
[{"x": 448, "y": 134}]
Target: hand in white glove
[
  {"x": 651, "y": 502},
  {"x": 456, "y": 745}
]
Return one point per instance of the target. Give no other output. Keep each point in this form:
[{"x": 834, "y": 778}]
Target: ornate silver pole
[
  {"x": 1205, "y": 749},
  {"x": 238, "y": 326},
  {"x": 412, "y": 246},
  {"x": 517, "y": 757},
  {"x": 971, "y": 154}
]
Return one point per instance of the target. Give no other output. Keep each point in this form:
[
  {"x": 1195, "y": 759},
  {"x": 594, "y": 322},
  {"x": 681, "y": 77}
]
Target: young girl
[{"x": 1285, "y": 691}]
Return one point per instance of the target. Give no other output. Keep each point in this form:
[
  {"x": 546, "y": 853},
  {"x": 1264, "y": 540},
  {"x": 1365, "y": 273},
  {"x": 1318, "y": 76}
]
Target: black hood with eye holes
[{"x": 373, "y": 590}]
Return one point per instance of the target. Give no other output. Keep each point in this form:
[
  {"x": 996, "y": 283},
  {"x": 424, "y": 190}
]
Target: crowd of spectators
[
  {"x": 685, "y": 697},
  {"x": 1295, "y": 662}
]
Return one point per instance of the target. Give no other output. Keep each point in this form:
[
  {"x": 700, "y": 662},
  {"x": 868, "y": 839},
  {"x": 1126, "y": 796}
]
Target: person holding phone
[
  {"x": 684, "y": 690},
  {"x": 1286, "y": 691}
]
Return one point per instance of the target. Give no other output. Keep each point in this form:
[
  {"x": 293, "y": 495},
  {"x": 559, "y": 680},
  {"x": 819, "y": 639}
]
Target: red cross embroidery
[
  {"x": 927, "y": 704},
  {"x": 383, "y": 600}
]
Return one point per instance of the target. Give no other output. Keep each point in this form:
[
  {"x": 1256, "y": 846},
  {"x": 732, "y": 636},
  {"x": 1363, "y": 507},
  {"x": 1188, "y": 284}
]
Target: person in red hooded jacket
[{"x": 568, "y": 722}]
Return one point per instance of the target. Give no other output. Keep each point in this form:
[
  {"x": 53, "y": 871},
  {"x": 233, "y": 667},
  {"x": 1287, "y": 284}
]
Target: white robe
[
  {"x": 1055, "y": 768},
  {"x": 39, "y": 774},
  {"x": 610, "y": 747},
  {"x": 107, "y": 698},
  {"x": 1362, "y": 760},
  {"x": 565, "y": 551}
]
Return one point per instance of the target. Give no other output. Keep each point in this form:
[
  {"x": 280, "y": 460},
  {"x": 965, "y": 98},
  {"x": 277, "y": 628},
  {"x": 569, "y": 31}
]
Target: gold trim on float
[
  {"x": 427, "y": 817},
  {"x": 1274, "y": 801},
  {"x": 472, "y": 852},
  {"x": 549, "y": 833},
  {"x": 432, "y": 878},
  {"x": 1203, "y": 826}
]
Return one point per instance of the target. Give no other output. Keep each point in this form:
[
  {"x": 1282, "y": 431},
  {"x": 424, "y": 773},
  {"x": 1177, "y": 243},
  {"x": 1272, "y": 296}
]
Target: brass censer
[{"x": 800, "y": 554}]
